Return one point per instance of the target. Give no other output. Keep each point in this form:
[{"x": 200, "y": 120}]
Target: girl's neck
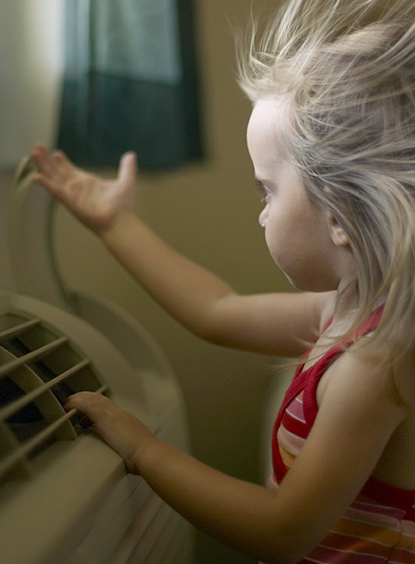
[
  {"x": 346, "y": 302},
  {"x": 346, "y": 309}
]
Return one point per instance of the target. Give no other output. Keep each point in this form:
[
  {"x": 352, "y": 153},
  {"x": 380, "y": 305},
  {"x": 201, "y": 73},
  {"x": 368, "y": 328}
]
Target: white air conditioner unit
[{"x": 65, "y": 496}]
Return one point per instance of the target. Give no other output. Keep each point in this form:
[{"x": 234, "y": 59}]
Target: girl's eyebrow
[
  {"x": 263, "y": 181},
  {"x": 261, "y": 184}
]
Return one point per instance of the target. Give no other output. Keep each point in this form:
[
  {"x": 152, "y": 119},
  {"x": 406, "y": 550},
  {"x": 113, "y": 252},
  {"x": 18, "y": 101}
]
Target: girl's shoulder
[
  {"x": 368, "y": 391},
  {"x": 403, "y": 371}
]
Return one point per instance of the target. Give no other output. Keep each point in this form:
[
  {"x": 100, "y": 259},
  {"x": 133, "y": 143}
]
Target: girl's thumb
[{"x": 128, "y": 167}]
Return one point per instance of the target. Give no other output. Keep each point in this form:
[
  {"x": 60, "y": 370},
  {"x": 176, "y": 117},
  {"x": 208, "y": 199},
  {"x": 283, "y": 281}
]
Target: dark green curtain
[{"x": 130, "y": 83}]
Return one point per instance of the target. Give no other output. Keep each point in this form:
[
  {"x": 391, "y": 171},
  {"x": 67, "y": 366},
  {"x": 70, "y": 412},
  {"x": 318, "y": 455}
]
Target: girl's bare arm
[
  {"x": 269, "y": 323},
  {"x": 345, "y": 445},
  {"x": 205, "y": 304}
]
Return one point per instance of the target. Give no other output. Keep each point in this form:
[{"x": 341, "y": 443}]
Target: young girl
[{"x": 332, "y": 140}]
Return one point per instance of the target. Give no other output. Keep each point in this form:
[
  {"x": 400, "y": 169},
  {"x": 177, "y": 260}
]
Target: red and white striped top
[{"x": 379, "y": 526}]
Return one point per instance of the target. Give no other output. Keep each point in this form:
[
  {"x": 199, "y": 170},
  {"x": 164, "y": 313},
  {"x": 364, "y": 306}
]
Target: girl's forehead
[
  {"x": 272, "y": 109},
  {"x": 269, "y": 126}
]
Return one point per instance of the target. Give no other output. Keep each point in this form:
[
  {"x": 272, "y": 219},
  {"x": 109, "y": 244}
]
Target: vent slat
[
  {"x": 39, "y": 369},
  {"x": 18, "y": 404},
  {"x": 38, "y": 353},
  {"x": 20, "y": 454},
  {"x": 170, "y": 540},
  {"x": 153, "y": 533},
  {"x": 18, "y": 329},
  {"x": 8, "y": 445},
  {"x": 137, "y": 527}
]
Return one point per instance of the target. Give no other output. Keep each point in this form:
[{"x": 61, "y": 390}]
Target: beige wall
[{"x": 209, "y": 212}]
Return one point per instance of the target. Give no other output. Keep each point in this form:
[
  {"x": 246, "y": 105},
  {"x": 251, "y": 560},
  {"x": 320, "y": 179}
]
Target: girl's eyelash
[{"x": 262, "y": 190}]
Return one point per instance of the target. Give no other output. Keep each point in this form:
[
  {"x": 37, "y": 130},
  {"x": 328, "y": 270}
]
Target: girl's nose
[{"x": 263, "y": 216}]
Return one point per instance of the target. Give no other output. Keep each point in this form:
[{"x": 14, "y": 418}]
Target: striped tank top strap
[
  {"x": 308, "y": 380},
  {"x": 315, "y": 372}
]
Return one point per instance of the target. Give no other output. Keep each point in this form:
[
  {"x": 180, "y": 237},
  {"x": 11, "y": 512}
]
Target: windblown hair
[{"x": 348, "y": 69}]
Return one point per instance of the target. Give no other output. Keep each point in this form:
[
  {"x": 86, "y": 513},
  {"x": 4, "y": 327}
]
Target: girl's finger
[
  {"x": 43, "y": 159},
  {"x": 44, "y": 180},
  {"x": 63, "y": 164}
]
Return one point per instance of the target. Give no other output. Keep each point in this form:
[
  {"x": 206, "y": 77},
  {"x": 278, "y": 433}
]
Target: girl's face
[{"x": 299, "y": 238}]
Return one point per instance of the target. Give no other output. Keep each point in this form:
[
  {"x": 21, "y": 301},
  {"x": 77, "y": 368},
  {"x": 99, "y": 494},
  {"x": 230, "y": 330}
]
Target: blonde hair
[{"x": 348, "y": 67}]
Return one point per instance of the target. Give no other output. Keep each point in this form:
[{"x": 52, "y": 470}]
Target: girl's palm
[{"x": 96, "y": 202}]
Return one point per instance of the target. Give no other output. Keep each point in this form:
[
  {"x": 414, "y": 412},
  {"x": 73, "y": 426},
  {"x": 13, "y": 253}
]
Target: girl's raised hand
[{"x": 95, "y": 201}]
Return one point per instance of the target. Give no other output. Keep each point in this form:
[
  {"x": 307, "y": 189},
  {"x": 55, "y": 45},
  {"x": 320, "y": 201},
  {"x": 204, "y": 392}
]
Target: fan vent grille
[{"x": 39, "y": 369}]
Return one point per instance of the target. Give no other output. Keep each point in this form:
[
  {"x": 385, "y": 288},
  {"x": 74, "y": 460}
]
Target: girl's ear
[{"x": 338, "y": 236}]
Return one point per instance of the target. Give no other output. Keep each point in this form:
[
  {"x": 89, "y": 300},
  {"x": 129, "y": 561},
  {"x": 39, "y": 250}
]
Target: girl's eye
[{"x": 263, "y": 191}]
